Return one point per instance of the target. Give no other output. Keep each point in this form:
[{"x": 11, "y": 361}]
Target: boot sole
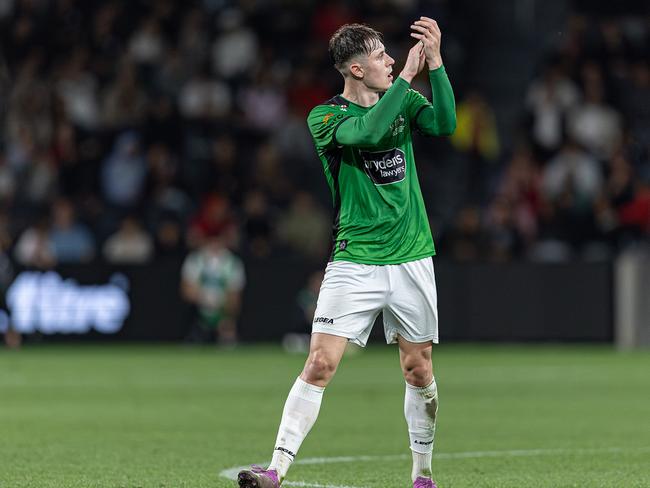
[{"x": 247, "y": 480}]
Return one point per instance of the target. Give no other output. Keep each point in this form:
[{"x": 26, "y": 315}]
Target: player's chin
[{"x": 386, "y": 85}]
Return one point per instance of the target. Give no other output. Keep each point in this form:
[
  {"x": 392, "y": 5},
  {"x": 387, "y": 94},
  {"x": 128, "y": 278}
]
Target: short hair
[{"x": 350, "y": 40}]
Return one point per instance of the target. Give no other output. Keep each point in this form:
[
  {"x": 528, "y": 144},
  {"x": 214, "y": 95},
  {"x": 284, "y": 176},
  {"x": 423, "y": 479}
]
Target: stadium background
[
  {"x": 147, "y": 125},
  {"x": 166, "y": 120}
]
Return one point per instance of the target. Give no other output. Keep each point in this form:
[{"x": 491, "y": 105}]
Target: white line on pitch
[{"x": 231, "y": 473}]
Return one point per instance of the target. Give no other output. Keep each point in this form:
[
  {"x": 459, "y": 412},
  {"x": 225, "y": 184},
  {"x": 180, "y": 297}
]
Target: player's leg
[
  {"x": 303, "y": 403},
  {"x": 411, "y": 320},
  {"x": 300, "y": 410},
  {"x": 420, "y": 405},
  {"x": 349, "y": 301}
]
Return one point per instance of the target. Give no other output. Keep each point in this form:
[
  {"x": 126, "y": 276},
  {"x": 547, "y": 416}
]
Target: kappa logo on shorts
[
  {"x": 384, "y": 167},
  {"x": 323, "y": 320}
]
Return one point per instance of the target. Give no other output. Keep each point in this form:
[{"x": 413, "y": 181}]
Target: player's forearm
[
  {"x": 440, "y": 118},
  {"x": 369, "y": 129}
]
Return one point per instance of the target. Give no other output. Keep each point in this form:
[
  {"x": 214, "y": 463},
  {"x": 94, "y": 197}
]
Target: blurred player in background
[
  {"x": 382, "y": 255},
  {"x": 212, "y": 279}
]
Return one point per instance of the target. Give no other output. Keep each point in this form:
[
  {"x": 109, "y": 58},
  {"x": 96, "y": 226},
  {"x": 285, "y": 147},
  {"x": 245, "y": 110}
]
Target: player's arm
[
  {"x": 190, "y": 288},
  {"x": 438, "y": 118},
  {"x": 337, "y": 128},
  {"x": 234, "y": 289}
]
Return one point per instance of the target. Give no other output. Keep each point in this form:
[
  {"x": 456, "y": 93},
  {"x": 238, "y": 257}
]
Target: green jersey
[{"x": 367, "y": 156}]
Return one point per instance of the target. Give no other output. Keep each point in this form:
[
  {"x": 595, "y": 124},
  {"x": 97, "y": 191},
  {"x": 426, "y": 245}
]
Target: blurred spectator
[
  {"x": 147, "y": 45},
  {"x": 329, "y": 16},
  {"x": 72, "y": 241},
  {"x": 203, "y": 97},
  {"x": 125, "y": 103},
  {"x": 77, "y": 86},
  {"x": 34, "y": 247},
  {"x": 476, "y": 132},
  {"x": 7, "y": 182},
  {"x": 194, "y": 40},
  {"x": 265, "y": 174},
  {"x": 572, "y": 170},
  {"x": 503, "y": 241},
  {"x": 153, "y": 110},
  {"x": 258, "y": 224},
  {"x": 476, "y": 136},
  {"x": 548, "y": 100},
  {"x": 40, "y": 180},
  {"x": 169, "y": 238},
  {"x": 521, "y": 186},
  {"x": 124, "y": 171},
  {"x": 635, "y": 98},
  {"x": 164, "y": 194},
  {"x": 305, "y": 228},
  {"x": 592, "y": 123},
  {"x": 224, "y": 174},
  {"x": 129, "y": 245},
  {"x": 263, "y": 102},
  {"x": 235, "y": 50},
  {"x": 213, "y": 219},
  {"x": 466, "y": 241},
  {"x": 29, "y": 121},
  {"x": 212, "y": 279}
]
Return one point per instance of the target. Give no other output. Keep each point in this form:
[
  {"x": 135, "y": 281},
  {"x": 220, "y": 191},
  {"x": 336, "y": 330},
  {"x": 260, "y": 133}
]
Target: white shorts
[{"x": 352, "y": 295}]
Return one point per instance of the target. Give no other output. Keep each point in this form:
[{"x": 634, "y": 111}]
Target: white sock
[
  {"x": 300, "y": 413},
  {"x": 420, "y": 409}
]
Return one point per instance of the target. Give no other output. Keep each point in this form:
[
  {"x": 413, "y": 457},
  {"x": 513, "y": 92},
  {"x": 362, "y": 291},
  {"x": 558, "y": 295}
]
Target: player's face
[{"x": 377, "y": 70}]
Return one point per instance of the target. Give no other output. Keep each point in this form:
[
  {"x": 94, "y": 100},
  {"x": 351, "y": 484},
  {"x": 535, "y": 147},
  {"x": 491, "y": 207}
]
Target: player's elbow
[
  {"x": 448, "y": 128},
  {"x": 366, "y": 138}
]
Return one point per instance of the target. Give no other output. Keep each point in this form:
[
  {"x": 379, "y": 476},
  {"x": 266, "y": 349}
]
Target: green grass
[{"x": 116, "y": 416}]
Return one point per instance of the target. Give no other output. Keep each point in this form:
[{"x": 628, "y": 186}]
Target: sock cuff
[
  {"x": 307, "y": 391},
  {"x": 425, "y": 392}
]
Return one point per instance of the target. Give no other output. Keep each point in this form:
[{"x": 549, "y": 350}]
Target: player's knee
[
  {"x": 319, "y": 368},
  {"x": 418, "y": 374}
]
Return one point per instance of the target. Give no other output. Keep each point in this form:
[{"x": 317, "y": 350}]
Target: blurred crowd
[
  {"x": 137, "y": 130},
  {"x": 576, "y": 183}
]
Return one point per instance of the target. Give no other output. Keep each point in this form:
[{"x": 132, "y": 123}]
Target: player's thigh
[
  {"x": 350, "y": 298},
  {"x": 412, "y": 311}
]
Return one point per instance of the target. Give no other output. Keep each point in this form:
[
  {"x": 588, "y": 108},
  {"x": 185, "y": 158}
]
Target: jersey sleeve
[
  {"x": 337, "y": 128},
  {"x": 324, "y": 121},
  {"x": 437, "y": 118}
]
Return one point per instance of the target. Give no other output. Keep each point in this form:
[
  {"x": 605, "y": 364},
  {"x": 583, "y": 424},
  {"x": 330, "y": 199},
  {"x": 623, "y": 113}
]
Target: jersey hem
[{"x": 386, "y": 262}]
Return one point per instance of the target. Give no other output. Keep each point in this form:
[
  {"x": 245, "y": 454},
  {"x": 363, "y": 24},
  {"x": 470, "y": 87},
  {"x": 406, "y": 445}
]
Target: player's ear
[{"x": 356, "y": 70}]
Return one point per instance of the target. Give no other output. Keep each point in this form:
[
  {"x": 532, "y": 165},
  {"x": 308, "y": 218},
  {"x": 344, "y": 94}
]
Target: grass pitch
[{"x": 165, "y": 416}]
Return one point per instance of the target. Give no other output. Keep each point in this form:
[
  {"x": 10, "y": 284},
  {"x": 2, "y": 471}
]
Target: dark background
[{"x": 160, "y": 112}]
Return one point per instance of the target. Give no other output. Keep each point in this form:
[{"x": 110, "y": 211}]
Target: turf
[{"x": 164, "y": 416}]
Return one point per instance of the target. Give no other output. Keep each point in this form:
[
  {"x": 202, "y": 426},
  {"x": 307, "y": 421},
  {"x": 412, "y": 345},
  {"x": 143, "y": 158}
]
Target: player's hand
[
  {"x": 426, "y": 30},
  {"x": 414, "y": 62}
]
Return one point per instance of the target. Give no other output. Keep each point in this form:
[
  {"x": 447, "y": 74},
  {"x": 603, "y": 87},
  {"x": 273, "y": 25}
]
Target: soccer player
[{"x": 382, "y": 255}]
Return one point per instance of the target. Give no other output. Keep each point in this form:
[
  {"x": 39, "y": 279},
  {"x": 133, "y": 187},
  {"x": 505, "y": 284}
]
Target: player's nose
[{"x": 390, "y": 61}]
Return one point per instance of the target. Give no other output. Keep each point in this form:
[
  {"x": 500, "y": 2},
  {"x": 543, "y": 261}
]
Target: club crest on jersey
[
  {"x": 384, "y": 167},
  {"x": 327, "y": 118},
  {"x": 398, "y": 125}
]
